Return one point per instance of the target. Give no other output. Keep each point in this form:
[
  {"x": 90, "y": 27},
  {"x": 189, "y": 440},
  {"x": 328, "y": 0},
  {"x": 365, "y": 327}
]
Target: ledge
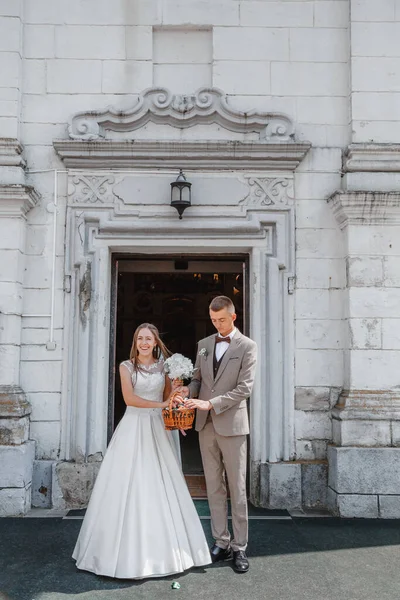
[
  {"x": 365, "y": 208},
  {"x": 372, "y": 158},
  {"x": 189, "y": 155},
  {"x": 16, "y": 200}
]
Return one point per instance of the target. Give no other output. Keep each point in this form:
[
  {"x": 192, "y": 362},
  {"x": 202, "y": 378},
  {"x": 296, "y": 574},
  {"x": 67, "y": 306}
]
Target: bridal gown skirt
[{"x": 141, "y": 521}]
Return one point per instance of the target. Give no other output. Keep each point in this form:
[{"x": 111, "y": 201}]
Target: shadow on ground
[{"x": 306, "y": 559}]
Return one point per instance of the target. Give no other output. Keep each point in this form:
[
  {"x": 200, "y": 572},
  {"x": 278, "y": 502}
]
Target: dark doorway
[{"x": 174, "y": 294}]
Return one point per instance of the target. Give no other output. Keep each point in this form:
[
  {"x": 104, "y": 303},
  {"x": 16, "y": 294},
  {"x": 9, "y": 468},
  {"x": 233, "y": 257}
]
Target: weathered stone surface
[
  {"x": 14, "y": 431},
  {"x": 15, "y": 502},
  {"x": 311, "y": 449},
  {"x": 285, "y": 485},
  {"x": 16, "y": 464},
  {"x": 314, "y": 484},
  {"x": 364, "y": 470},
  {"x": 357, "y": 506},
  {"x": 72, "y": 483},
  {"x": 13, "y": 402},
  {"x": 315, "y": 398},
  {"x": 356, "y": 432},
  {"x": 41, "y": 483},
  {"x": 389, "y": 507}
]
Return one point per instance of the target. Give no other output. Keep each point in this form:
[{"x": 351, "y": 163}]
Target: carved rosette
[
  {"x": 91, "y": 189},
  {"x": 268, "y": 191},
  {"x": 159, "y": 105}
]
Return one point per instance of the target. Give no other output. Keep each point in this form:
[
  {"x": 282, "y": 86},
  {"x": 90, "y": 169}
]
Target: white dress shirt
[{"x": 222, "y": 347}]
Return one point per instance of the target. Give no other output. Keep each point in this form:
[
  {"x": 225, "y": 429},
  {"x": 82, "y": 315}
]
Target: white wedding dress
[{"x": 141, "y": 521}]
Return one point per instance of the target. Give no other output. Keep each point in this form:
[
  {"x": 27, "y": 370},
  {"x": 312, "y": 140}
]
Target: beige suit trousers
[{"x": 225, "y": 456}]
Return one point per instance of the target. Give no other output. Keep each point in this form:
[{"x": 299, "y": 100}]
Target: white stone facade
[{"x": 293, "y": 149}]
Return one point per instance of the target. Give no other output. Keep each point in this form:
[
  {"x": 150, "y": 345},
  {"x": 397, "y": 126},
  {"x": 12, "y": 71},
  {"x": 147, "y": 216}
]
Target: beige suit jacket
[{"x": 229, "y": 391}]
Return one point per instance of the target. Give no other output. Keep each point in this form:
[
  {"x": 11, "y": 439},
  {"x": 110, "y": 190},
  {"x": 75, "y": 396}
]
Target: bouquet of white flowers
[
  {"x": 178, "y": 366},
  {"x": 176, "y": 415}
]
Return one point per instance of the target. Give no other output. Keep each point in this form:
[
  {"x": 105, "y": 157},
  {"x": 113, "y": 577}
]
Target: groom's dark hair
[{"x": 221, "y": 302}]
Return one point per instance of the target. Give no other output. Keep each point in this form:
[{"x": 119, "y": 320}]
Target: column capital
[
  {"x": 11, "y": 153},
  {"x": 365, "y": 208},
  {"x": 16, "y": 200}
]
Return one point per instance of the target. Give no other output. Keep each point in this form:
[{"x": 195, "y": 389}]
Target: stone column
[
  {"x": 364, "y": 460},
  {"x": 16, "y": 451}
]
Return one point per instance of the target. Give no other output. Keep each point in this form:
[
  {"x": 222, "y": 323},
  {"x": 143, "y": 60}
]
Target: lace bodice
[{"x": 148, "y": 382}]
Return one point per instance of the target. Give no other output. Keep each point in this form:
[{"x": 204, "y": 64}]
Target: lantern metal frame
[{"x": 184, "y": 188}]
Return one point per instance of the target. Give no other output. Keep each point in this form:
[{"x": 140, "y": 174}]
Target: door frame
[{"x": 115, "y": 258}]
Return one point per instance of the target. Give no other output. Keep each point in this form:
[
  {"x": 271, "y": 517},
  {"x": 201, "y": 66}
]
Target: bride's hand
[{"x": 165, "y": 404}]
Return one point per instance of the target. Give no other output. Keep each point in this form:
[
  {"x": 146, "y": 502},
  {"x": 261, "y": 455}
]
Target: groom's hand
[
  {"x": 184, "y": 391},
  {"x": 200, "y": 404}
]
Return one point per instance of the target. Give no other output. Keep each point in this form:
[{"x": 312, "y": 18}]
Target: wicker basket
[{"x": 178, "y": 418}]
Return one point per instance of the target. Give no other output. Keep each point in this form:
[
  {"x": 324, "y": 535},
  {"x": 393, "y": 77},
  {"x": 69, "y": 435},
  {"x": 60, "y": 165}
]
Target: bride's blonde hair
[{"x": 159, "y": 351}]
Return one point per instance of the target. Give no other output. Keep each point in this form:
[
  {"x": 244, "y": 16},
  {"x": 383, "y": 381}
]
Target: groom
[{"x": 222, "y": 383}]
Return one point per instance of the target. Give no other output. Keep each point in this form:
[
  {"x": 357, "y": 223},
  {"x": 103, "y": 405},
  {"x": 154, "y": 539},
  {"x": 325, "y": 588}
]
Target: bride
[{"x": 141, "y": 521}]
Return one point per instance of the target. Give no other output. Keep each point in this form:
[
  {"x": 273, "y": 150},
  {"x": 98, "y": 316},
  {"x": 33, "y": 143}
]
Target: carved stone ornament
[
  {"x": 268, "y": 191},
  {"x": 365, "y": 208},
  {"x": 91, "y": 189},
  {"x": 159, "y": 105}
]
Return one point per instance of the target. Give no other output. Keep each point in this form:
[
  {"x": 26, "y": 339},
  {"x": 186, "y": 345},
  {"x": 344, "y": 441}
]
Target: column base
[{"x": 364, "y": 482}]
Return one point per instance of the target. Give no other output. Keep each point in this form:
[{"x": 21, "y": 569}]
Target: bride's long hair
[{"x": 159, "y": 351}]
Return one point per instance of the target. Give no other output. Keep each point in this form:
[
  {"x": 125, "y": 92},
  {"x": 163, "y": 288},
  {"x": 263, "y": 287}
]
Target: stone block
[
  {"x": 16, "y": 464},
  {"x": 139, "y": 43},
  {"x": 10, "y": 34},
  {"x": 312, "y": 398},
  {"x": 375, "y": 74},
  {"x": 72, "y": 484},
  {"x": 361, "y": 433},
  {"x": 391, "y": 267},
  {"x": 364, "y": 470},
  {"x": 10, "y": 69},
  {"x": 284, "y": 485},
  {"x": 369, "y": 10},
  {"x": 389, "y": 507},
  {"x": 242, "y": 77},
  {"x": 367, "y": 106},
  {"x": 126, "y": 77},
  {"x": 331, "y": 13},
  {"x": 41, "y": 483},
  {"x": 14, "y": 432},
  {"x": 322, "y": 111},
  {"x": 319, "y": 368},
  {"x": 10, "y": 329},
  {"x": 332, "y": 501},
  {"x": 47, "y": 437},
  {"x": 45, "y": 406},
  {"x": 311, "y": 449},
  {"x": 15, "y": 502},
  {"x": 319, "y": 334},
  {"x": 374, "y": 302},
  {"x": 395, "y": 433},
  {"x": 11, "y": 266},
  {"x": 308, "y": 79},
  {"x": 365, "y": 271},
  {"x": 9, "y": 365},
  {"x": 34, "y": 76},
  {"x": 322, "y": 243},
  {"x": 314, "y": 484},
  {"x": 180, "y": 46},
  {"x": 74, "y": 77},
  {"x": 319, "y": 186},
  {"x": 200, "y": 12},
  {"x": 245, "y": 43},
  {"x": 319, "y": 304},
  {"x": 381, "y": 240},
  {"x": 313, "y": 425},
  {"x": 313, "y": 214},
  {"x": 11, "y": 9},
  {"x": 365, "y": 334},
  {"x": 38, "y": 376},
  {"x": 90, "y": 42},
  {"x": 38, "y": 272},
  {"x": 182, "y": 78},
  {"x": 43, "y": 11},
  {"x": 319, "y": 45},
  {"x": 375, "y": 39},
  {"x": 323, "y": 273},
  {"x": 374, "y": 369},
  {"x": 276, "y": 14},
  {"x": 354, "y": 506},
  {"x": 39, "y": 41}
]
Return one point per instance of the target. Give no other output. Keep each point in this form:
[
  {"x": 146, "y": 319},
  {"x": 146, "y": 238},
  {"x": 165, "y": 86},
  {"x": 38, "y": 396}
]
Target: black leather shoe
[
  {"x": 218, "y": 553},
  {"x": 240, "y": 562}
]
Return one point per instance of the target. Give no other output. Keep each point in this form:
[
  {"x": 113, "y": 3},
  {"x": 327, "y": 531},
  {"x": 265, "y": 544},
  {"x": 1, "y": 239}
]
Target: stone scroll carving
[
  {"x": 159, "y": 105},
  {"x": 268, "y": 191}
]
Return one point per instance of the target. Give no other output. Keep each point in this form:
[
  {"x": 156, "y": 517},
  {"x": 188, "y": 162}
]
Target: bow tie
[{"x": 222, "y": 339}]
